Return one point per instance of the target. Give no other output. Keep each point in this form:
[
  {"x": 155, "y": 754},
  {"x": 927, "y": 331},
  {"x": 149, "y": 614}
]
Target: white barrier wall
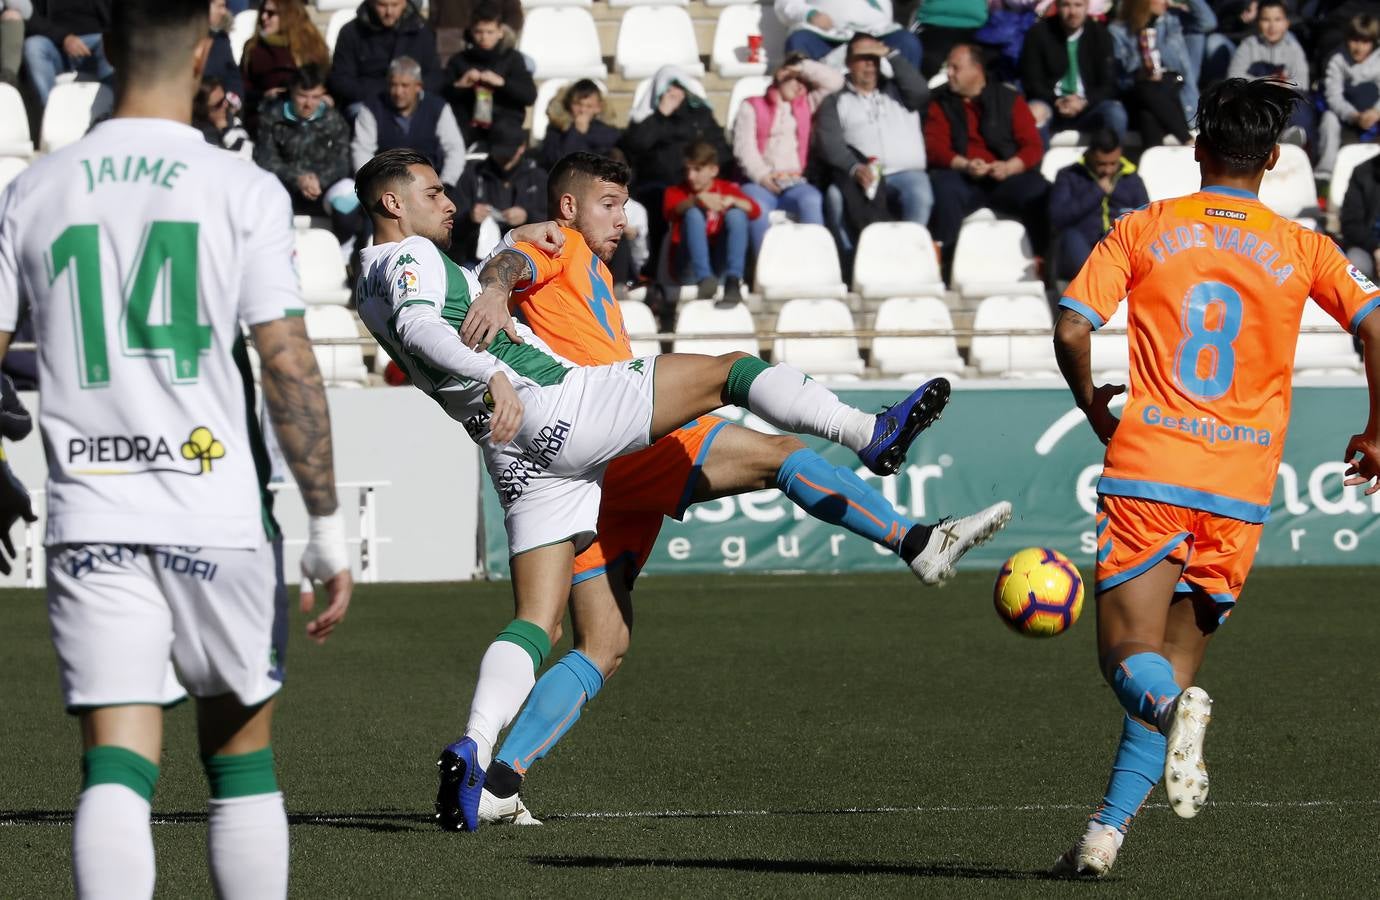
[{"x": 426, "y": 471}]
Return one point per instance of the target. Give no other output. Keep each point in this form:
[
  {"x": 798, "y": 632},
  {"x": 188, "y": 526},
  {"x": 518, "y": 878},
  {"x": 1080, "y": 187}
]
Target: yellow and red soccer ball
[{"x": 1039, "y": 592}]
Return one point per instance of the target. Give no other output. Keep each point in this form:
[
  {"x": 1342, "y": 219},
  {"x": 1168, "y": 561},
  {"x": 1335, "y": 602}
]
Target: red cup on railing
[{"x": 755, "y": 48}]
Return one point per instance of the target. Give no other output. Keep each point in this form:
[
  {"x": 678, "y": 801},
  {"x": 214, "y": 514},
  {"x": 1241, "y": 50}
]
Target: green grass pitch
[{"x": 768, "y": 736}]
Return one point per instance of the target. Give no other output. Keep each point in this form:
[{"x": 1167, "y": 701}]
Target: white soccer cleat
[
  {"x": 1185, "y": 773},
  {"x": 1092, "y": 856},
  {"x": 952, "y": 538},
  {"x": 504, "y": 810}
]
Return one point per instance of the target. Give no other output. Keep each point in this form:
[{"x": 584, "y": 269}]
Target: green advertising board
[{"x": 1026, "y": 445}]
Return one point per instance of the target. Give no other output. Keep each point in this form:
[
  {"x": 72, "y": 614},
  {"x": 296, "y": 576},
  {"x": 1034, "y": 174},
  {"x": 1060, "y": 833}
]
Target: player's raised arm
[
  {"x": 506, "y": 267},
  {"x": 1363, "y": 450}
]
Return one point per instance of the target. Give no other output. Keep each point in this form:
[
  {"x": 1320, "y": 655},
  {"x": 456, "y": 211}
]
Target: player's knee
[{"x": 775, "y": 451}]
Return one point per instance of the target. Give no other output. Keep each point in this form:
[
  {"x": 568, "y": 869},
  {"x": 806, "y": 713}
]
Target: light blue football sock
[
  {"x": 552, "y": 708},
  {"x": 1135, "y": 772},
  {"x": 1144, "y": 684},
  {"x": 836, "y": 495}
]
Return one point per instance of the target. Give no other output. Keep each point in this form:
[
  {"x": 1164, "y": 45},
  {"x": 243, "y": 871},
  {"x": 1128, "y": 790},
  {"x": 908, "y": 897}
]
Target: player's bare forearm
[
  {"x": 504, "y": 271},
  {"x": 1073, "y": 350},
  {"x": 296, "y": 398}
]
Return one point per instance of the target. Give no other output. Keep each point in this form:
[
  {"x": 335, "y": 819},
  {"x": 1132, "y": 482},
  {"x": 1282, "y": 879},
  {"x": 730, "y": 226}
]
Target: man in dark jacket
[
  {"x": 984, "y": 150},
  {"x": 1361, "y": 218},
  {"x": 506, "y": 190},
  {"x": 65, "y": 36},
  {"x": 487, "y": 83},
  {"x": 1067, "y": 72},
  {"x": 407, "y": 116},
  {"x": 305, "y": 142},
  {"x": 382, "y": 31},
  {"x": 1088, "y": 197}
]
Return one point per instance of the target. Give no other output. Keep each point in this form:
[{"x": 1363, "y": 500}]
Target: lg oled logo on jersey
[
  {"x": 140, "y": 454},
  {"x": 537, "y": 458},
  {"x": 1236, "y": 214}
]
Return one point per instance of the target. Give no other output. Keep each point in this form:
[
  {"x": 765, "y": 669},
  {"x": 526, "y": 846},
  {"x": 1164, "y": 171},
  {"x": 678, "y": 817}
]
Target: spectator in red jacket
[{"x": 709, "y": 217}]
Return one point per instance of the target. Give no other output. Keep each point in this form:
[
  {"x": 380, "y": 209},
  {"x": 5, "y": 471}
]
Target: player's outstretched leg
[
  {"x": 112, "y": 841},
  {"x": 1135, "y": 771}
]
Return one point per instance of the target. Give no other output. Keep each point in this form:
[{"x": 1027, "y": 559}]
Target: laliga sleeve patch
[
  {"x": 408, "y": 282},
  {"x": 1360, "y": 278}
]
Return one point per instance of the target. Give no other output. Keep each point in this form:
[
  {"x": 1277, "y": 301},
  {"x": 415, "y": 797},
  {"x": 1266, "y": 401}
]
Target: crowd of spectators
[{"x": 853, "y": 128}]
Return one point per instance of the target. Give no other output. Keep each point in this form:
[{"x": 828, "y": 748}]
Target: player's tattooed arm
[
  {"x": 489, "y": 314},
  {"x": 1073, "y": 350},
  {"x": 296, "y": 398}
]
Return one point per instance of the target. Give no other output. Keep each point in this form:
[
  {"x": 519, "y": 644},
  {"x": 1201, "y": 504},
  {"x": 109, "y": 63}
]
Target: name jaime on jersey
[{"x": 537, "y": 458}]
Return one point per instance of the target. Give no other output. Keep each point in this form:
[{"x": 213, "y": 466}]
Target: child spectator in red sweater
[{"x": 709, "y": 224}]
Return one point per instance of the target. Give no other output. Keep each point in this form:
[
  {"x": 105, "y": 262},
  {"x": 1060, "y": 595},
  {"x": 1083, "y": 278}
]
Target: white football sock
[
  {"x": 247, "y": 845},
  {"x": 785, "y": 397},
  {"x": 112, "y": 843},
  {"x": 506, "y": 677}
]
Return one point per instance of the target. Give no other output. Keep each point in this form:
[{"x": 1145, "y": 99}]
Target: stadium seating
[
  {"x": 241, "y": 30},
  {"x": 1111, "y": 353},
  {"x": 729, "y": 2},
  {"x": 68, "y": 113},
  {"x": 1169, "y": 172},
  {"x": 15, "y": 139},
  {"x": 1288, "y": 188},
  {"x": 994, "y": 257},
  {"x": 339, "y": 19},
  {"x": 703, "y": 317},
  {"x": 835, "y": 357},
  {"x": 650, "y": 37},
  {"x": 320, "y": 268},
  {"x": 1348, "y": 158},
  {"x": 623, "y": 4},
  {"x": 1069, "y": 137},
  {"x": 909, "y": 357},
  {"x": 10, "y": 166},
  {"x": 533, "y": 4},
  {"x": 1330, "y": 353},
  {"x": 1059, "y": 158},
  {"x": 638, "y": 319},
  {"x": 799, "y": 261},
  {"x": 743, "y": 88},
  {"x": 1018, "y": 356},
  {"x": 564, "y": 43},
  {"x": 896, "y": 259},
  {"x": 729, "y": 56},
  {"x": 341, "y": 365},
  {"x": 333, "y": 5}
]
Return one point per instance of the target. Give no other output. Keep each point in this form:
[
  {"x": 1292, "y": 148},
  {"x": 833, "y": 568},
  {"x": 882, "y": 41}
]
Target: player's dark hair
[
  {"x": 150, "y": 40},
  {"x": 486, "y": 11},
  {"x": 576, "y": 169},
  {"x": 307, "y": 78},
  {"x": 1240, "y": 121},
  {"x": 1266, "y": 4},
  {"x": 386, "y": 170},
  {"x": 1104, "y": 140}
]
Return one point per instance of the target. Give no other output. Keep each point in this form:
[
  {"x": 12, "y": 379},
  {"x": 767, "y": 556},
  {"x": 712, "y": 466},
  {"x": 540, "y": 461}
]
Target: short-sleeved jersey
[
  {"x": 568, "y": 304},
  {"x": 1216, "y": 284},
  {"x": 142, "y": 250}
]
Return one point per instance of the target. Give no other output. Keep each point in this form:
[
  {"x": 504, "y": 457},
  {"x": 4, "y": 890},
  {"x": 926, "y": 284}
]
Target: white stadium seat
[
  {"x": 564, "y": 42},
  {"x": 729, "y": 56},
  {"x": 914, "y": 356},
  {"x": 15, "y": 139},
  {"x": 1069, "y": 137},
  {"x": 320, "y": 268},
  {"x": 799, "y": 261},
  {"x": 1111, "y": 353},
  {"x": 68, "y": 114},
  {"x": 1057, "y": 159},
  {"x": 339, "y": 19},
  {"x": 818, "y": 357},
  {"x": 703, "y": 317},
  {"x": 1169, "y": 172},
  {"x": 1019, "y": 356},
  {"x": 994, "y": 257},
  {"x": 1348, "y": 158},
  {"x": 1324, "y": 354},
  {"x": 896, "y": 259},
  {"x": 730, "y": 2},
  {"x": 241, "y": 30},
  {"x": 623, "y": 4},
  {"x": 650, "y": 37},
  {"x": 333, "y": 5},
  {"x": 1288, "y": 188},
  {"x": 638, "y": 319},
  {"x": 10, "y": 167},
  {"x": 341, "y": 365},
  {"x": 743, "y": 88},
  {"x": 533, "y": 4}
]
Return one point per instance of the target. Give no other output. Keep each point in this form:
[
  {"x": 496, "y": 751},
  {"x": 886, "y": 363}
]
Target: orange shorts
[
  {"x": 1216, "y": 551},
  {"x": 640, "y": 490}
]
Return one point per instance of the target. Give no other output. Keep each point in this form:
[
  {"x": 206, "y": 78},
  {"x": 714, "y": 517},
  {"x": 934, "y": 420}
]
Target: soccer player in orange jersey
[
  {"x": 567, "y": 300},
  {"x": 1215, "y": 283}
]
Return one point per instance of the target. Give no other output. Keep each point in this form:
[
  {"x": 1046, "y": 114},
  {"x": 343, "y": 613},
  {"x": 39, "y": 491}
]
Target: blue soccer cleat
[
  {"x": 462, "y": 781},
  {"x": 900, "y": 424}
]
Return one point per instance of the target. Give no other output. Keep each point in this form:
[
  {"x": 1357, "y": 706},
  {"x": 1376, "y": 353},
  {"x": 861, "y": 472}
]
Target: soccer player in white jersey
[
  {"x": 548, "y": 429},
  {"x": 144, "y": 251}
]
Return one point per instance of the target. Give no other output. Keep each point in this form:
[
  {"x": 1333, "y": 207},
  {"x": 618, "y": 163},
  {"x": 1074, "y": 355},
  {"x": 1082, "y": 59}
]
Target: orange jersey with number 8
[{"x": 1216, "y": 284}]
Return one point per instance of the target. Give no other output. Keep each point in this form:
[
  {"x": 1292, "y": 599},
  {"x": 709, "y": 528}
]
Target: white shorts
[
  {"x": 135, "y": 624},
  {"x": 548, "y": 478}
]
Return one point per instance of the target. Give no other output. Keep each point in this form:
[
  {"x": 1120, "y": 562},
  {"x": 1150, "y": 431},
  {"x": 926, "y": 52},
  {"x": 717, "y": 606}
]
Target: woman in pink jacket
[{"x": 771, "y": 139}]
